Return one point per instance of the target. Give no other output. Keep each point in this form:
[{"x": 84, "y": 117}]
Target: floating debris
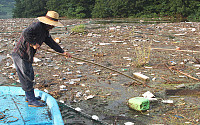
[
  {"x": 141, "y": 76},
  {"x": 95, "y": 117},
  {"x": 138, "y": 103},
  {"x": 36, "y": 60},
  {"x": 129, "y": 123},
  {"x": 80, "y": 63},
  {"x": 78, "y": 109},
  {"x": 167, "y": 101},
  {"x": 117, "y": 41},
  {"x": 89, "y": 97},
  {"x": 148, "y": 95},
  {"x": 103, "y": 44},
  {"x": 61, "y": 101},
  {"x": 62, "y": 86}
]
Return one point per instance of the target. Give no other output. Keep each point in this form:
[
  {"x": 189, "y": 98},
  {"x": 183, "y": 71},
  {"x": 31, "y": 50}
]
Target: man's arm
[{"x": 52, "y": 44}]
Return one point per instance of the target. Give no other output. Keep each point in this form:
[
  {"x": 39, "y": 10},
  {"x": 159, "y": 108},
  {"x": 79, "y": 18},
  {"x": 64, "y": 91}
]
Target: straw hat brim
[{"x": 50, "y": 22}]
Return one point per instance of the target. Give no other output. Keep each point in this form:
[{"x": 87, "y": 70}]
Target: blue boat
[{"x": 15, "y": 111}]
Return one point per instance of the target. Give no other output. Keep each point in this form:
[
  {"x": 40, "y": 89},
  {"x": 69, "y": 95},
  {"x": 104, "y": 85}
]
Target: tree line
[{"x": 176, "y": 9}]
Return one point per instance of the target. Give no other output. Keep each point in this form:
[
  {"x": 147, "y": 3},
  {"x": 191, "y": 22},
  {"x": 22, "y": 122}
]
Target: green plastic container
[{"x": 138, "y": 103}]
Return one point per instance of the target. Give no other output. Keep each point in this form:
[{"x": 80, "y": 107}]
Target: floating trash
[
  {"x": 179, "y": 34},
  {"x": 172, "y": 63},
  {"x": 71, "y": 82},
  {"x": 79, "y": 72},
  {"x": 62, "y": 86},
  {"x": 103, "y": 44},
  {"x": 80, "y": 63},
  {"x": 148, "y": 94},
  {"x": 124, "y": 70},
  {"x": 89, "y": 97},
  {"x": 78, "y": 109},
  {"x": 36, "y": 60},
  {"x": 95, "y": 117},
  {"x": 68, "y": 73},
  {"x": 127, "y": 58},
  {"x": 141, "y": 76},
  {"x": 79, "y": 76},
  {"x": 55, "y": 75},
  {"x": 129, "y": 123},
  {"x": 76, "y": 80},
  {"x": 154, "y": 79},
  {"x": 78, "y": 94},
  {"x": 138, "y": 103},
  {"x": 45, "y": 90},
  {"x": 167, "y": 101},
  {"x": 117, "y": 41},
  {"x": 37, "y": 75},
  {"x": 197, "y": 65},
  {"x": 61, "y": 101}
]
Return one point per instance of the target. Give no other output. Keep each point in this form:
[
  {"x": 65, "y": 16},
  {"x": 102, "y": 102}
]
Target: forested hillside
[
  {"x": 6, "y": 7},
  {"x": 181, "y": 9}
]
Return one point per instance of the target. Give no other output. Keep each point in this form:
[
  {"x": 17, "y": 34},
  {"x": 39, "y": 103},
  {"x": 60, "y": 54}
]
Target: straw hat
[{"x": 51, "y": 18}]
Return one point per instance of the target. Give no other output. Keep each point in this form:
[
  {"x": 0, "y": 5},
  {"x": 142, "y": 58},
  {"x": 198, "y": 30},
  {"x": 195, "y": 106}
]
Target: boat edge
[{"x": 50, "y": 101}]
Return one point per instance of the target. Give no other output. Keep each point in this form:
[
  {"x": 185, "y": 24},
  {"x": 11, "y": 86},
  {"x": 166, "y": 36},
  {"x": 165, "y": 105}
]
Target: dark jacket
[{"x": 35, "y": 33}]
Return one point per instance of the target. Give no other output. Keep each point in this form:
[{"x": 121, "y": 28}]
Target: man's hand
[
  {"x": 67, "y": 55},
  {"x": 36, "y": 46}
]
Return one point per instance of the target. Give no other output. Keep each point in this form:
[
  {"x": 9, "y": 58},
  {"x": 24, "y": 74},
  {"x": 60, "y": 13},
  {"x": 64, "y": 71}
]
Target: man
[{"x": 25, "y": 49}]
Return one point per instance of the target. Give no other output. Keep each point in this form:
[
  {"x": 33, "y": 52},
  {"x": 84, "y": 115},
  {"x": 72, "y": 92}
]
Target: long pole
[{"x": 95, "y": 64}]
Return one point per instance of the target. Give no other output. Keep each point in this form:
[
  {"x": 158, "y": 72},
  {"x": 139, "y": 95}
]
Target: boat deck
[{"x": 15, "y": 111}]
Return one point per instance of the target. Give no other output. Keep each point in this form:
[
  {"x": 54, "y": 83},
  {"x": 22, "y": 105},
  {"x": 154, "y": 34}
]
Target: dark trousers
[{"x": 25, "y": 72}]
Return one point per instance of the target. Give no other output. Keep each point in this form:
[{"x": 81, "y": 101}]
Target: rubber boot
[
  {"x": 32, "y": 102},
  {"x": 37, "y": 98}
]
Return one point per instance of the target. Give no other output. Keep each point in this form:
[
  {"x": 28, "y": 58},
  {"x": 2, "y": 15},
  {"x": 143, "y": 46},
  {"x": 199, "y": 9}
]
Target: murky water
[
  {"x": 73, "y": 117},
  {"x": 1, "y": 57},
  {"x": 128, "y": 21},
  {"x": 109, "y": 103}
]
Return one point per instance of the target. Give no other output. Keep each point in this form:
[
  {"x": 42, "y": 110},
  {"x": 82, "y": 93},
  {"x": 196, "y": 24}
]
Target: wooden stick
[
  {"x": 176, "y": 50},
  {"x": 97, "y": 65},
  {"x": 169, "y": 68},
  {"x": 185, "y": 74}
]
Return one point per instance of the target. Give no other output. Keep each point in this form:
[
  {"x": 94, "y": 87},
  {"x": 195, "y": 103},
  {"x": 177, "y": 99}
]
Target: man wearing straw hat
[{"x": 25, "y": 49}]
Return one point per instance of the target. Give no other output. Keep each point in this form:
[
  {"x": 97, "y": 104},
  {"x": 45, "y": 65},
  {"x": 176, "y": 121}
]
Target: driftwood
[
  {"x": 169, "y": 68},
  {"x": 171, "y": 82},
  {"x": 173, "y": 68},
  {"x": 176, "y": 50}
]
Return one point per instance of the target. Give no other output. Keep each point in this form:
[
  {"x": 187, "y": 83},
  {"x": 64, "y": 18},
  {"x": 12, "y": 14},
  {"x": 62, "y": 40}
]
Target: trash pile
[{"x": 163, "y": 55}]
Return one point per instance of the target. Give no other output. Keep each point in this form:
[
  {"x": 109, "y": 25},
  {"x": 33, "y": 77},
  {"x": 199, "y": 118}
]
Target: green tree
[
  {"x": 57, "y": 5},
  {"x": 18, "y": 10},
  {"x": 120, "y": 8},
  {"x": 183, "y": 9},
  {"x": 101, "y": 9},
  {"x": 80, "y": 8},
  {"x": 72, "y": 8},
  {"x": 29, "y": 8},
  {"x": 194, "y": 11}
]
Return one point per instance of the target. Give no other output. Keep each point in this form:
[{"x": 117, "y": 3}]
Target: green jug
[{"x": 138, "y": 103}]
